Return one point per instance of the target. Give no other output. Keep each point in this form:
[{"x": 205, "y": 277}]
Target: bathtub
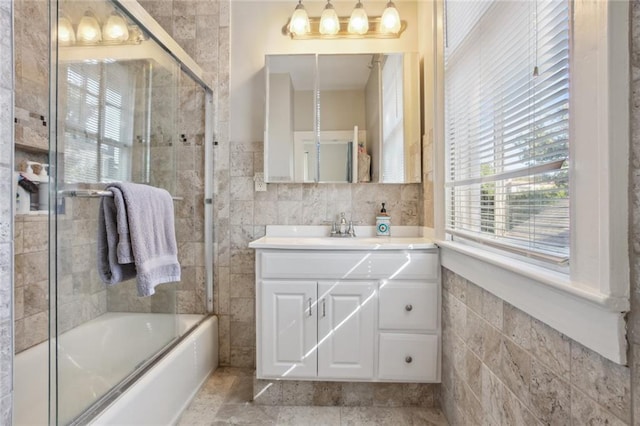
[{"x": 97, "y": 355}]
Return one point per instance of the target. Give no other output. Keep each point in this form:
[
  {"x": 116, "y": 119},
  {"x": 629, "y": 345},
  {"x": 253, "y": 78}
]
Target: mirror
[{"x": 342, "y": 118}]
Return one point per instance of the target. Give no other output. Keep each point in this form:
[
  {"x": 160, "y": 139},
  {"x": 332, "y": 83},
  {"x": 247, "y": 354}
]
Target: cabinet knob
[
  {"x": 408, "y": 308},
  {"x": 408, "y": 360}
]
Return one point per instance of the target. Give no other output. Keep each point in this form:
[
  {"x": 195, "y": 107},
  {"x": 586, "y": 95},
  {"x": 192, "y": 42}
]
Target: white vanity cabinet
[
  {"x": 317, "y": 329},
  {"x": 357, "y": 315}
]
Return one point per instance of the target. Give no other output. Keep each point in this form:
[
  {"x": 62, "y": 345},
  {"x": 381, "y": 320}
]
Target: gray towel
[
  {"x": 144, "y": 240},
  {"x": 110, "y": 270}
]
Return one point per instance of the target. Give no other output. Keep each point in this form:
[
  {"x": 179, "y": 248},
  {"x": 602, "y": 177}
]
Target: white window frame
[{"x": 588, "y": 304}]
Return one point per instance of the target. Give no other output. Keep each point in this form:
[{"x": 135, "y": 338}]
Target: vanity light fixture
[
  {"x": 330, "y": 26},
  {"x": 390, "y": 19},
  {"x": 359, "y": 22},
  {"x": 329, "y": 23},
  {"x": 89, "y": 29},
  {"x": 66, "y": 34},
  {"x": 115, "y": 29},
  {"x": 299, "y": 23}
]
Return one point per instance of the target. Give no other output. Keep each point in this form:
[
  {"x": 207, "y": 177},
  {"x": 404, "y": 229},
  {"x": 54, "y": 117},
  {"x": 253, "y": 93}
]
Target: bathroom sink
[{"x": 315, "y": 238}]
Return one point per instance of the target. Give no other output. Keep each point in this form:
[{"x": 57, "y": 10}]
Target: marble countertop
[{"x": 316, "y": 238}]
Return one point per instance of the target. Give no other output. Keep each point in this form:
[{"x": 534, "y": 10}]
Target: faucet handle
[
  {"x": 351, "y": 231},
  {"x": 334, "y": 227}
]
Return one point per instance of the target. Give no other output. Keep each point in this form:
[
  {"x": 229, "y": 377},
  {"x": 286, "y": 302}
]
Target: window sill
[{"x": 583, "y": 314}]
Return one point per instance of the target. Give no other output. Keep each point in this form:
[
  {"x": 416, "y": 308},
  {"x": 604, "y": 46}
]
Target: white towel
[{"x": 144, "y": 224}]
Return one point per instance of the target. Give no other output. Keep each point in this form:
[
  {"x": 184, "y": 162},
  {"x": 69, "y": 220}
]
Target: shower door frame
[{"x": 186, "y": 64}]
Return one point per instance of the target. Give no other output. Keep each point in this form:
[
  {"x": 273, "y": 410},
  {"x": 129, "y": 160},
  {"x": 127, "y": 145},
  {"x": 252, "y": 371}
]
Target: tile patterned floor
[{"x": 225, "y": 399}]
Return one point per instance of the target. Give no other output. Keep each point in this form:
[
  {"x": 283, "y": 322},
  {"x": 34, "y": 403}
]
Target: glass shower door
[{"x": 116, "y": 104}]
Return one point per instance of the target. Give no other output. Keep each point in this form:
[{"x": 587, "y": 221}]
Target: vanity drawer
[
  {"x": 413, "y": 265},
  {"x": 409, "y": 357},
  {"x": 408, "y": 305}
]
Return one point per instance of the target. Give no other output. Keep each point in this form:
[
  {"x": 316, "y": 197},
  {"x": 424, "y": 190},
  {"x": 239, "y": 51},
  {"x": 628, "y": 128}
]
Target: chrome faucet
[{"x": 342, "y": 228}]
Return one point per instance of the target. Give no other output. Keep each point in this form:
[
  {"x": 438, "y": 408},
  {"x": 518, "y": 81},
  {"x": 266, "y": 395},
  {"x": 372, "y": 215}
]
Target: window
[
  {"x": 98, "y": 129},
  {"x": 507, "y": 126},
  {"x": 587, "y": 299}
]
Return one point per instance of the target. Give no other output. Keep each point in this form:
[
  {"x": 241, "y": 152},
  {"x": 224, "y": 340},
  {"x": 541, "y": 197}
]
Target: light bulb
[
  {"x": 359, "y": 22},
  {"x": 299, "y": 24},
  {"x": 115, "y": 29},
  {"x": 66, "y": 36},
  {"x": 89, "y": 29},
  {"x": 329, "y": 24},
  {"x": 390, "y": 21}
]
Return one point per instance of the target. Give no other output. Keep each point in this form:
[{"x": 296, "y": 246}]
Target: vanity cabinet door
[
  {"x": 346, "y": 328},
  {"x": 289, "y": 332}
]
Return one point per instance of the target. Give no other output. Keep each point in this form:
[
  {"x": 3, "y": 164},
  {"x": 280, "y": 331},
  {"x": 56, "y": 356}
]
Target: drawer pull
[
  {"x": 408, "y": 360},
  {"x": 324, "y": 308},
  {"x": 310, "y": 314},
  {"x": 408, "y": 308}
]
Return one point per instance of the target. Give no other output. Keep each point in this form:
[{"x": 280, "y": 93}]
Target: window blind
[
  {"x": 507, "y": 125},
  {"x": 98, "y": 122}
]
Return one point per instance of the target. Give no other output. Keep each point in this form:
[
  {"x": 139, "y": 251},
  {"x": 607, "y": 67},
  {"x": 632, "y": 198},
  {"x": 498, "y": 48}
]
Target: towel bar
[{"x": 93, "y": 193}]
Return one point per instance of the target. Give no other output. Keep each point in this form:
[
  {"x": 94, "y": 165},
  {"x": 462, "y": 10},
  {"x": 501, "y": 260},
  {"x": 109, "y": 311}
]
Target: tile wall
[
  {"x": 81, "y": 294},
  {"x": 500, "y": 366},
  {"x": 177, "y": 164},
  {"x": 31, "y": 103},
  {"x": 31, "y": 74},
  {"x": 201, "y": 28},
  {"x": 6, "y": 213}
]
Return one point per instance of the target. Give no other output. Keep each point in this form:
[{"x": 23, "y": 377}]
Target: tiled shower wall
[
  {"x": 6, "y": 214},
  {"x": 500, "y": 366},
  {"x": 31, "y": 34},
  {"x": 180, "y": 148},
  {"x": 81, "y": 298},
  {"x": 81, "y": 295},
  {"x": 201, "y": 28}
]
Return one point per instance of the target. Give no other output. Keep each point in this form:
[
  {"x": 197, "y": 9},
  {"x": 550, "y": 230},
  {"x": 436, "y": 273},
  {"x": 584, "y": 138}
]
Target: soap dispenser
[{"x": 383, "y": 223}]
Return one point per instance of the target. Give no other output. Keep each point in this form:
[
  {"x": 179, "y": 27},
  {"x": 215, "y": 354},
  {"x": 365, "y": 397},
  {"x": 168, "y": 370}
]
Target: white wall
[{"x": 256, "y": 31}]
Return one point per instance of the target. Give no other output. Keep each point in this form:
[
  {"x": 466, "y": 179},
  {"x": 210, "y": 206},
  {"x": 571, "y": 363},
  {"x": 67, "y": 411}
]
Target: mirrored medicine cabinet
[{"x": 334, "y": 118}]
